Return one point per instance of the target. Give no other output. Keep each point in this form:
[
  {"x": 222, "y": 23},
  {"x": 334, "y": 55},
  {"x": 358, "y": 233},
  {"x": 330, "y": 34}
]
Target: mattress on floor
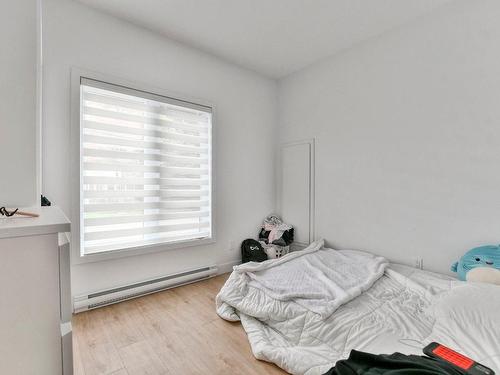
[{"x": 402, "y": 312}]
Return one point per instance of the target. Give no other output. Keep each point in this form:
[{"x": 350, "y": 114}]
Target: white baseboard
[
  {"x": 222, "y": 268},
  {"x": 227, "y": 267}
]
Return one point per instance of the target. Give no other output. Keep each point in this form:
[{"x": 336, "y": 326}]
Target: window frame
[{"x": 76, "y": 170}]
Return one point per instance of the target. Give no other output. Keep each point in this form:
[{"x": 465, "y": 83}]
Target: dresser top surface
[{"x": 50, "y": 220}]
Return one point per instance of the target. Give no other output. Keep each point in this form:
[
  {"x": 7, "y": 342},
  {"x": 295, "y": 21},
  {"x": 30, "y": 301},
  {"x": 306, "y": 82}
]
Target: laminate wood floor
[{"x": 172, "y": 332}]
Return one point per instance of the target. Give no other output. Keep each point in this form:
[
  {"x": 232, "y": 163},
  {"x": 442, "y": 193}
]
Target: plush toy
[{"x": 481, "y": 264}]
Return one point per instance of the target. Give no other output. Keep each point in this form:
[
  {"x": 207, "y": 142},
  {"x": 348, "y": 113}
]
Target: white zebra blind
[{"x": 146, "y": 169}]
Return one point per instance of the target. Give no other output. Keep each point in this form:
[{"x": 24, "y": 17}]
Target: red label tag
[{"x": 453, "y": 357}]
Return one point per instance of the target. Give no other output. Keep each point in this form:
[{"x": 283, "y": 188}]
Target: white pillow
[
  {"x": 484, "y": 275},
  {"x": 468, "y": 321}
]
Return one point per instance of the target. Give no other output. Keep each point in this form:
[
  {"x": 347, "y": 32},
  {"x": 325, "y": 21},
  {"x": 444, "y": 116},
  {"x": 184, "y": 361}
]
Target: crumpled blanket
[{"x": 315, "y": 279}]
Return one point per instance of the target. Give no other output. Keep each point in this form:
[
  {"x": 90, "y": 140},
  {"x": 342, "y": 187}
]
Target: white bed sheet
[
  {"x": 403, "y": 311},
  {"x": 391, "y": 318}
]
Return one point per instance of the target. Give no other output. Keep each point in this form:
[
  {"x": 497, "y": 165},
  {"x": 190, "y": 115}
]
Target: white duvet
[{"x": 304, "y": 323}]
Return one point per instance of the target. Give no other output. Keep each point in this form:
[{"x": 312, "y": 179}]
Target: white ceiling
[{"x": 272, "y": 37}]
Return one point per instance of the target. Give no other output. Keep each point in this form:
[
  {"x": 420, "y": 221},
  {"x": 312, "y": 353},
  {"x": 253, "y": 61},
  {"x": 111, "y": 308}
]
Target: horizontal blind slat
[
  {"x": 162, "y": 170},
  {"x": 186, "y": 161},
  {"x": 129, "y": 207},
  {"x": 140, "y": 125},
  {"x": 183, "y": 106},
  {"x": 145, "y": 230},
  {"x": 177, "y": 118},
  {"x": 113, "y": 128},
  {"x": 186, "y": 151},
  {"x": 163, "y": 193},
  {"x": 135, "y": 143},
  {"x": 172, "y": 181},
  {"x": 111, "y": 125},
  {"x": 111, "y": 220},
  {"x": 165, "y": 238}
]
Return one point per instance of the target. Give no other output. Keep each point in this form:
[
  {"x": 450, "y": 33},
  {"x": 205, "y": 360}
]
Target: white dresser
[{"x": 35, "y": 302}]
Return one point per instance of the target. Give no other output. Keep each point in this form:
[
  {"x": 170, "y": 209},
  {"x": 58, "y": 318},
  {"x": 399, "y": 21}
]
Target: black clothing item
[
  {"x": 44, "y": 201},
  {"x": 285, "y": 240},
  {"x": 252, "y": 251},
  {"x": 360, "y": 363}
]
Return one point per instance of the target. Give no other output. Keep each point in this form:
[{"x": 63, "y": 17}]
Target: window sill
[{"x": 140, "y": 250}]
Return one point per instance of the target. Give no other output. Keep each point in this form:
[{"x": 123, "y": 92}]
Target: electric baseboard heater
[{"x": 126, "y": 292}]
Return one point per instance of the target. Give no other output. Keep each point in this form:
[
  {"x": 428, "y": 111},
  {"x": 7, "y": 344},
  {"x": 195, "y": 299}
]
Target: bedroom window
[{"x": 145, "y": 169}]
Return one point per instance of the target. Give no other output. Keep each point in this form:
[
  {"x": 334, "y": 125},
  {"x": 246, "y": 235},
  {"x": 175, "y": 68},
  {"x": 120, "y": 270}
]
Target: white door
[{"x": 297, "y": 188}]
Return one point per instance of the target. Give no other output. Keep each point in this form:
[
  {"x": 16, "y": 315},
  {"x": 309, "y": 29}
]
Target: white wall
[
  {"x": 408, "y": 137},
  {"x": 75, "y": 35},
  {"x": 18, "y": 61}
]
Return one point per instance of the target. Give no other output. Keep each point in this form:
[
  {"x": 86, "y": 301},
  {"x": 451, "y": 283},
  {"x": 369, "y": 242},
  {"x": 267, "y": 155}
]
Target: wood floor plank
[
  {"x": 140, "y": 359},
  {"x": 97, "y": 352},
  {"x": 122, "y": 324},
  {"x": 172, "y": 332},
  {"x": 77, "y": 359},
  {"x": 120, "y": 372}
]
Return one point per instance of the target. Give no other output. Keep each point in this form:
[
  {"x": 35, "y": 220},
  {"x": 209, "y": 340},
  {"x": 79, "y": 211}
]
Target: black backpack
[{"x": 252, "y": 251}]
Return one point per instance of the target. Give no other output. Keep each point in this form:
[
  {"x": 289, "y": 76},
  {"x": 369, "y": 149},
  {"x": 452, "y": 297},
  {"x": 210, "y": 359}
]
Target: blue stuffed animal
[{"x": 481, "y": 264}]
